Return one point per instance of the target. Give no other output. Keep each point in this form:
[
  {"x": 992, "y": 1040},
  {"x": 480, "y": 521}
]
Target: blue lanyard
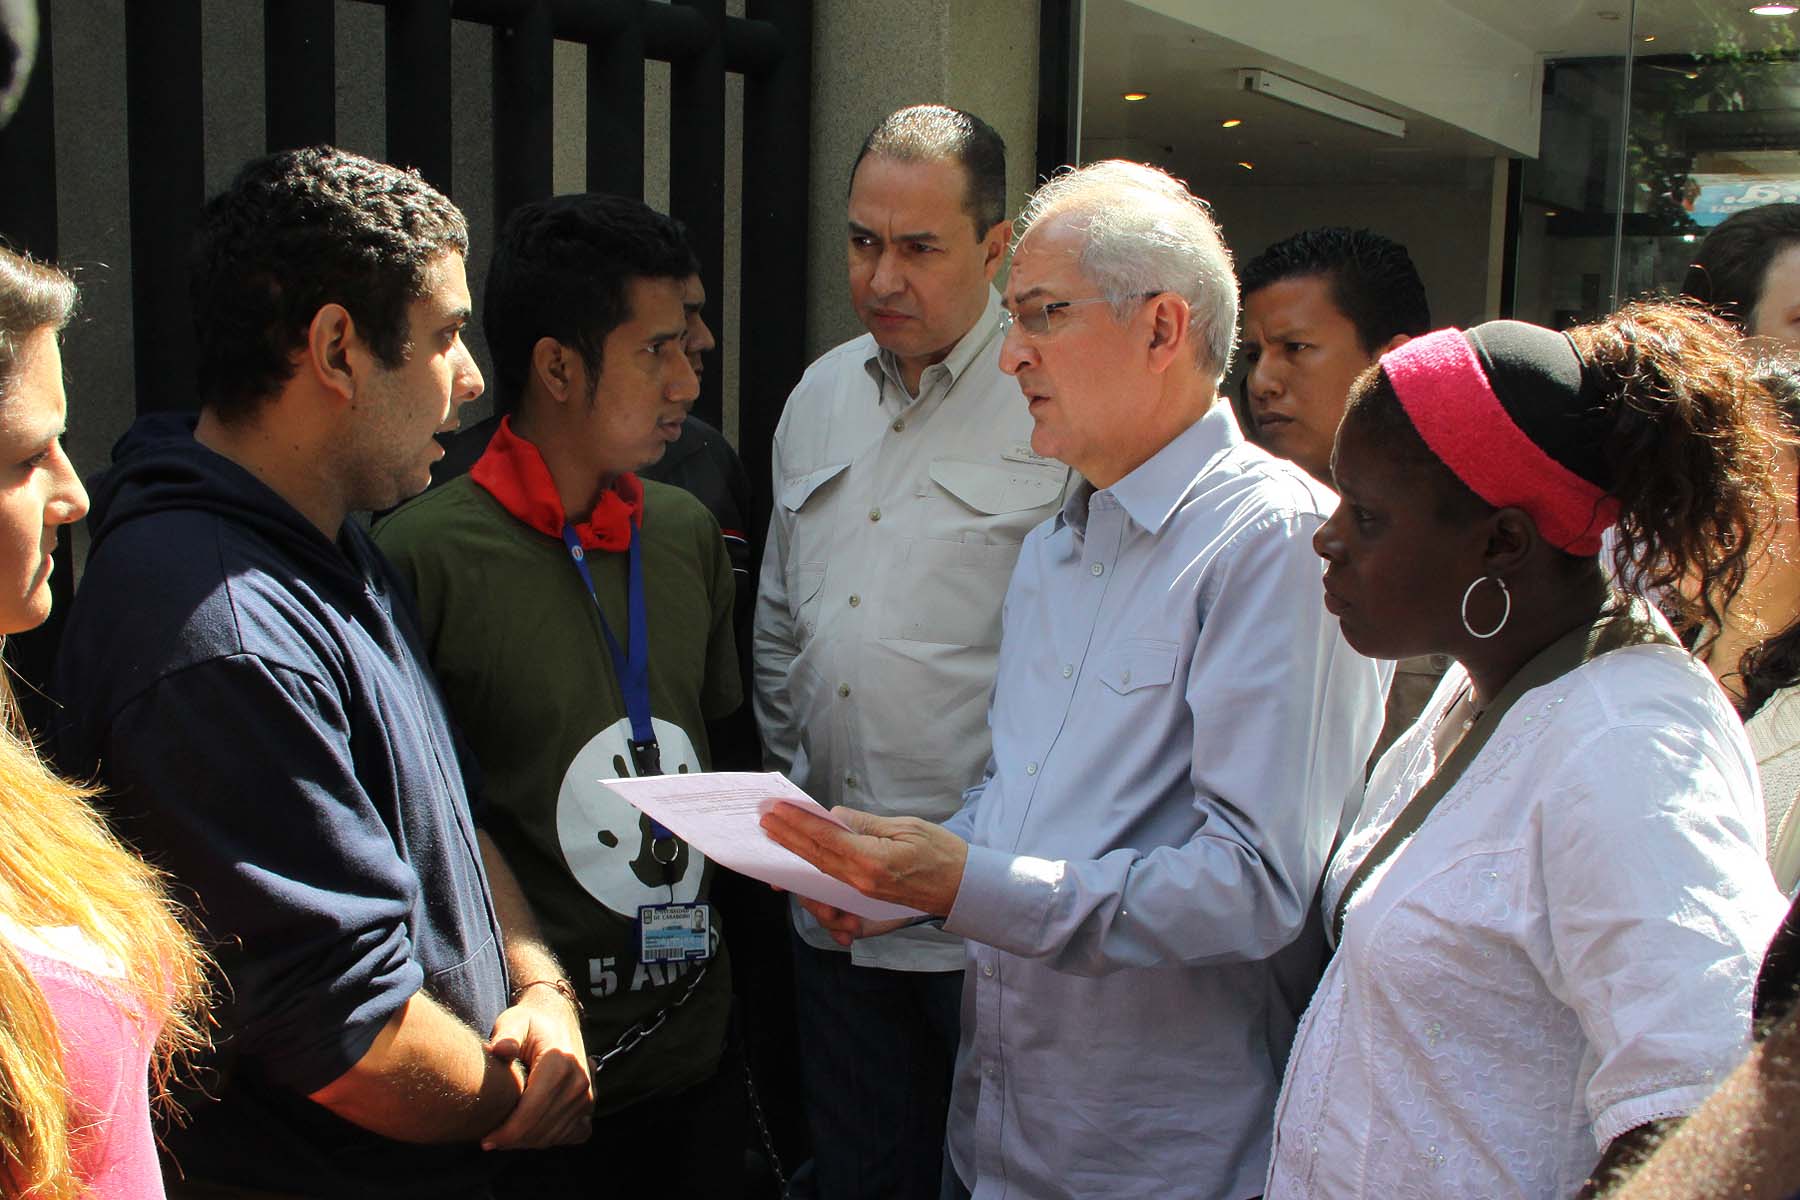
[{"x": 632, "y": 669}]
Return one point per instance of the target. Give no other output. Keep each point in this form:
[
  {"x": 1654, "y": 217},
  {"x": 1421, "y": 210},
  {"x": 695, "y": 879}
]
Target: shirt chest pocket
[
  {"x": 1138, "y": 664},
  {"x": 802, "y": 497},
  {"x": 997, "y": 502},
  {"x": 953, "y": 576}
]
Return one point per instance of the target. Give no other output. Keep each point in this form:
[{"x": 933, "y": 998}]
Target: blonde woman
[{"x": 100, "y": 985}]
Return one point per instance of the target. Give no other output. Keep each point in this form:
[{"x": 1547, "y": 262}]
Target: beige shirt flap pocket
[
  {"x": 1139, "y": 663},
  {"x": 955, "y": 600},
  {"x": 995, "y": 488},
  {"x": 796, "y": 491}
]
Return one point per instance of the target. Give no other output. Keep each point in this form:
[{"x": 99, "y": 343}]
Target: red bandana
[{"x": 513, "y": 472}]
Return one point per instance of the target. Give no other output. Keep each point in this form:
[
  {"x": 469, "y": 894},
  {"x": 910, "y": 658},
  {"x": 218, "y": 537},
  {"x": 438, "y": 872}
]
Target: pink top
[{"x": 106, "y": 1058}]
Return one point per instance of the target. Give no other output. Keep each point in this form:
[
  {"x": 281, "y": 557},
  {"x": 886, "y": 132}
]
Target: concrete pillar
[{"x": 871, "y": 57}]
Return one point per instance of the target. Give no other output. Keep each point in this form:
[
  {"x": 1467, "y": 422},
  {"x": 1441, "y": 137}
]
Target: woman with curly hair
[
  {"x": 1550, "y": 912},
  {"x": 101, "y": 987}
]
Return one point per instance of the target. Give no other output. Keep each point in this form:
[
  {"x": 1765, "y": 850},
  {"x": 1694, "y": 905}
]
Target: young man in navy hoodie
[{"x": 245, "y": 679}]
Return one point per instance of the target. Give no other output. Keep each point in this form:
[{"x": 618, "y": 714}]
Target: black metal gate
[{"x": 770, "y": 46}]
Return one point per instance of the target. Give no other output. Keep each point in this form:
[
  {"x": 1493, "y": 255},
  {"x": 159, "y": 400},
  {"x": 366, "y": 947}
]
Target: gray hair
[{"x": 1146, "y": 233}]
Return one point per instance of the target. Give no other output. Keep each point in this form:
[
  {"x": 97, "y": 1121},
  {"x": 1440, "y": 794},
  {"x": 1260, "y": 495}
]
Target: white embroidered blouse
[{"x": 1564, "y": 951}]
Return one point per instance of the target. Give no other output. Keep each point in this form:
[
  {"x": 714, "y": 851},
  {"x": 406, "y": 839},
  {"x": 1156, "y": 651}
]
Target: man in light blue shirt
[{"x": 1179, "y": 733}]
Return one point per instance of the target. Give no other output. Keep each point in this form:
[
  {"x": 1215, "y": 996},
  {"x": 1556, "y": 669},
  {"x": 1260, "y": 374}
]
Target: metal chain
[
  {"x": 641, "y": 1031},
  {"x": 762, "y": 1127}
]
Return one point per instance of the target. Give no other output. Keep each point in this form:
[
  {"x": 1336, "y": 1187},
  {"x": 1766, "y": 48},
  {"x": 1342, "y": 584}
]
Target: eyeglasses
[{"x": 1034, "y": 319}]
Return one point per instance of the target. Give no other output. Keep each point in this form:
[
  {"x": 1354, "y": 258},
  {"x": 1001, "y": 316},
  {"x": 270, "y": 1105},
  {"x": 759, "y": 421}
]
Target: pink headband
[{"x": 1444, "y": 391}]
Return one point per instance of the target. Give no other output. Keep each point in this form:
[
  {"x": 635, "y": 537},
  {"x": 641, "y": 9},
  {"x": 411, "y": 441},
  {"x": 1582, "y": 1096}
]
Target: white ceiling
[
  {"x": 1584, "y": 28},
  {"x": 1191, "y": 75}
]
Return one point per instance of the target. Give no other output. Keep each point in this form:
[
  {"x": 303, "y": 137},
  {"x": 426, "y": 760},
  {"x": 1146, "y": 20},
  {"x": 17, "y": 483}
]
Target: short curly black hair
[
  {"x": 298, "y": 230},
  {"x": 1373, "y": 280}
]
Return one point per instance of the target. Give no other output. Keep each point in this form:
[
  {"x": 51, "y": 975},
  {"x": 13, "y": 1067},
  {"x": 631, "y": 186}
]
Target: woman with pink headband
[{"x": 1550, "y": 912}]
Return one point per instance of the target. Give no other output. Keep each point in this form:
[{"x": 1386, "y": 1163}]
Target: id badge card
[{"x": 674, "y": 932}]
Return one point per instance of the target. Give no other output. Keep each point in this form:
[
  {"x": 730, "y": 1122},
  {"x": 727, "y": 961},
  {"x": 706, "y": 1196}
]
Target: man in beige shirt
[{"x": 904, "y": 483}]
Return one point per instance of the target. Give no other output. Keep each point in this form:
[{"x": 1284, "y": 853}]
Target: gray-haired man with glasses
[
  {"x": 904, "y": 483},
  {"x": 1178, "y": 731},
  {"x": 1034, "y": 317}
]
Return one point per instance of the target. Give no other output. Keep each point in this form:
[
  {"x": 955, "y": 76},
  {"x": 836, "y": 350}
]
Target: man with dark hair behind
[
  {"x": 1319, "y": 308},
  {"x": 904, "y": 484},
  {"x": 580, "y": 621},
  {"x": 243, "y": 675}
]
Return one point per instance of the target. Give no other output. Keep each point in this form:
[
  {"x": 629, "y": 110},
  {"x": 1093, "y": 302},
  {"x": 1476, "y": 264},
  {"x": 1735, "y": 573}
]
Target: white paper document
[{"x": 716, "y": 813}]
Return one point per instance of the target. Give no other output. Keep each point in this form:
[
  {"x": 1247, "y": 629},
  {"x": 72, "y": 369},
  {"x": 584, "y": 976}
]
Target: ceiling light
[
  {"x": 1247, "y": 166},
  {"x": 1549, "y": 212},
  {"x": 1775, "y": 10},
  {"x": 1134, "y": 97},
  {"x": 1233, "y": 123},
  {"x": 1649, "y": 37},
  {"x": 1280, "y": 87}
]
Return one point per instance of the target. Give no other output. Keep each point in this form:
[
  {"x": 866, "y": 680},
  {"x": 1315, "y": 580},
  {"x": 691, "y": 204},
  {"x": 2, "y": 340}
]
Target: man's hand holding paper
[
  {"x": 718, "y": 813},
  {"x": 901, "y": 860}
]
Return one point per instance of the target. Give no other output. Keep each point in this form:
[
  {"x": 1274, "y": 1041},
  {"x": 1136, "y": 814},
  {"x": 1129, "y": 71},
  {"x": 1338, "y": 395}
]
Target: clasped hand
[
  {"x": 542, "y": 1032},
  {"x": 902, "y": 860}
]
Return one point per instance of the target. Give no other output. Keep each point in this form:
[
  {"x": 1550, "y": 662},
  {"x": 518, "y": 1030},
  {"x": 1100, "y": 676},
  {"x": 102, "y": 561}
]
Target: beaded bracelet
[{"x": 561, "y": 987}]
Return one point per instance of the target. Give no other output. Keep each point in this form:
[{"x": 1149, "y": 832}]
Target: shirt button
[
  {"x": 850, "y": 781},
  {"x": 1124, "y": 678},
  {"x": 1068, "y": 670},
  {"x": 1031, "y": 768},
  {"x": 900, "y": 425},
  {"x": 1096, "y": 569},
  {"x": 988, "y": 970},
  {"x": 874, "y": 514},
  {"x": 855, "y": 600},
  {"x": 844, "y": 690}
]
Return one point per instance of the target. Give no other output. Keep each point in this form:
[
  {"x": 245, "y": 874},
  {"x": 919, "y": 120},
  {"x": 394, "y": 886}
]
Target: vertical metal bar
[
  {"x": 615, "y": 110},
  {"x": 1624, "y": 192},
  {"x": 165, "y": 137},
  {"x": 777, "y": 166},
  {"x": 697, "y": 169},
  {"x": 418, "y": 88},
  {"x": 28, "y": 159},
  {"x": 1509, "y": 251},
  {"x": 1059, "y": 84},
  {"x": 524, "y": 148},
  {"x": 299, "y": 73}
]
